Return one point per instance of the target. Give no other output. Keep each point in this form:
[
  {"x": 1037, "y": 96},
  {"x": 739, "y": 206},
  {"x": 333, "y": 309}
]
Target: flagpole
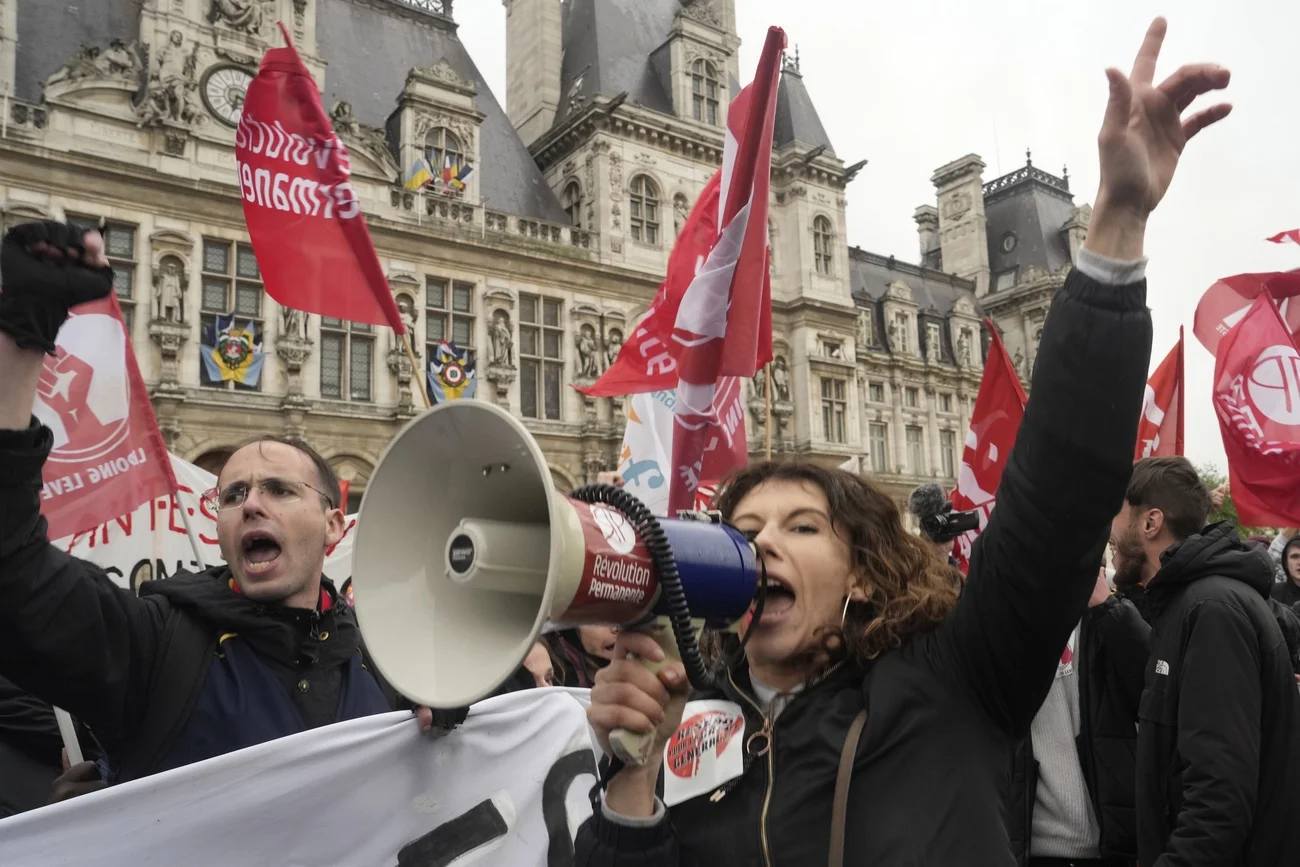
[
  {"x": 195, "y": 545},
  {"x": 767, "y": 399},
  {"x": 415, "y": 367}
]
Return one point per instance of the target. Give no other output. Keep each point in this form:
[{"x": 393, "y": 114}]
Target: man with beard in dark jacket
[
  {"x": 197, "y": 665},
  {"x": 1072, "y": 780},
  {"x": 1218, "y": 779}
]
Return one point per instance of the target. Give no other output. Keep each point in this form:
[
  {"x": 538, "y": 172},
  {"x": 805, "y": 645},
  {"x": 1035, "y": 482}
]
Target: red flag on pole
[
  {"x": 108, "y": 456},
  {"x": 723, "y": 328},
  {"x": 1160, "y": 428},
  {"x": 303, "y": 214},
  {"x": 1226, "y": 302},
  {"x": 646, "y": 362},
  {"x": 999, "y": 408},
  {"x": 1257, "y": 397}
]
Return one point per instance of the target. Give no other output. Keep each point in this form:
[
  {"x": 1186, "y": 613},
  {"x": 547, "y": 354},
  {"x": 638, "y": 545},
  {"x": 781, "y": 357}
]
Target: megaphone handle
[{"x": 634, "y": 748}]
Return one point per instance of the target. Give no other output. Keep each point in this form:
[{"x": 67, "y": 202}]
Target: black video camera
[{"x": 948, "y": 525}]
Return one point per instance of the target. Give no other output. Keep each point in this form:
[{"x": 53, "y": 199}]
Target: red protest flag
[
  {"x": 1225, "y": 303},
  {"x": 723, "y": 328},
  {"x": 994, "y": 422},
  {"x": 645, "y": 363},
  {"x": 1160, "y": 428},
  {"x": 108, "y": 456},
  {"x": 1257, "y": 397},
  {"x": 304, "y": 217},
  {"x": 1292, "y": 236}
]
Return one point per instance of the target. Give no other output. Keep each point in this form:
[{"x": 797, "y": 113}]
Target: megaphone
[{"x": 465, "y": 553}]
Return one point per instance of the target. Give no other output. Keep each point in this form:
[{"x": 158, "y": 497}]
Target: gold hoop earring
[{"x": 845, "y": 613}]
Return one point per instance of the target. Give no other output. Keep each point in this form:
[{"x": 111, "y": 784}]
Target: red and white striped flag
[
  {"x": 1160, "y": 429},
  {"x": 724, "y": 325},
  {"x": 1292, "y": 236}
]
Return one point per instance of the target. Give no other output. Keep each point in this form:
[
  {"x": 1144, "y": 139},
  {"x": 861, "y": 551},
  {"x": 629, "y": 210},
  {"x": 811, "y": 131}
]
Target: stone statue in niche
[
  {"x": 120, "y": 59},
  {"x": 964, "y": 348},
  {"x": 291, "y": 324},
  {"x": 613, "y": 344},
  {"x": 680, "y": 213},
  {"x": 586, "y": 343},
  {"x": 1038, "y": 336},
  {"x": 758, "y": 385},
  {"x": 1018, "y": 361},
  {"x": 501, "y": 340},
  {"x": 169, "y": 290},
  {"x": 245, "y": 15},
  {"x": 780, "y": 380},
  {"x": 864, "y": 329},
  {"x": 406, "y": 306}
]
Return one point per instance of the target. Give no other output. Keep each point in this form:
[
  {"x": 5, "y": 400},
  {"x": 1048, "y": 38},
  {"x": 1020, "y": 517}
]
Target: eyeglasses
[{"x": 278, "y": 491}]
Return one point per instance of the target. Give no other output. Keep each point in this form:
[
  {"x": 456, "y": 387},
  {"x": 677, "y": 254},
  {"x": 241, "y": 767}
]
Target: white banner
[
  {"x": 647, "y": 448},
  {"x": 151, "y": 542},
  {"x": 509, "y": 787}
]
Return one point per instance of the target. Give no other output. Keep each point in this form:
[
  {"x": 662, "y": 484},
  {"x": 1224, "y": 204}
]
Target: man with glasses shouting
[{"x": 199, "y": 664}]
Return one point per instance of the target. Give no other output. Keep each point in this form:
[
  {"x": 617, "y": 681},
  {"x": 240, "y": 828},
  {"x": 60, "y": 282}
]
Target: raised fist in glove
[{"x": 45, "y": 269}]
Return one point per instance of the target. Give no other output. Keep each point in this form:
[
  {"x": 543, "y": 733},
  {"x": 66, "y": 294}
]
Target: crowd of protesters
[{"x": 1037, "y": 712}]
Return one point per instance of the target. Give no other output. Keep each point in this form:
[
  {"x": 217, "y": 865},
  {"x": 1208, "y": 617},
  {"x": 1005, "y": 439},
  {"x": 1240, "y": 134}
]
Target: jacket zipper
[{"x": 767, "y": 732}]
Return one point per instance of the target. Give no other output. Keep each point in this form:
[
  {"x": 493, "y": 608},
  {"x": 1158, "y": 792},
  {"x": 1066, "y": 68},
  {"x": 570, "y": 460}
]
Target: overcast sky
[{"x": 911, "y": 86}]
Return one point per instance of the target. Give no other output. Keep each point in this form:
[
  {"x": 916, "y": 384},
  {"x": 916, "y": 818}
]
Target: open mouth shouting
[
  {"x": 780, "y": 600},
  {"x": 260, "y": 550}
]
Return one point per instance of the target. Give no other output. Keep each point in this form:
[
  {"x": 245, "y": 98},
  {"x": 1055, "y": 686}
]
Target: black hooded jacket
[
  {"x": 1219, "y": 725},
  {"x": 1287, "y": 591},
  {"x": 69, "y": 635}
]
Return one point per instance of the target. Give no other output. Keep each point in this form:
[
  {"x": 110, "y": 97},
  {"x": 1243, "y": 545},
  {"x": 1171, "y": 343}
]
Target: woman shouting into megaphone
[{"x": 871, "y": 716}]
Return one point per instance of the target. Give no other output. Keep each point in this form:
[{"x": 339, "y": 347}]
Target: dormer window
[
  {"x": 573, "y": 203},
  {"x": 704, "y": 92},
  {"x": 443, "y": 149}
]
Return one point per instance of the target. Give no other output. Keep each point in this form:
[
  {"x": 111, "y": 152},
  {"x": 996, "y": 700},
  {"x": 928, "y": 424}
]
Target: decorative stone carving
[
  {"x": 681, "y": 210},
  {"x": 957, "y": 205},
  {"x": 174, "y": 144},
  {"x": 758, "y": 386},
  {"x": 169, "y": 282},
  {"x": 361, "y": 139},
  {"x": 964, "y": 348},
  {"x": 703, "y": 12},
  {"x": 613, "y": 345},
  {"x": 292, "y": 324},
  {"x": 399, "y": 365},
  {"x": 119, "y": 60},
  {"x": 586, "y": 346},
  {"x": 501, "y": 376},
  {"x": 696, "y": 52},
  {"x": 616, "y": 177},
  {"x": 171, "y": 337},
  {"x": 1018, "y": 361},
  {"x": 616, "y": 218},
  {"x": 781, "y": 380},
  {"x": 246, "y": 16},
  {"x": 410, "y": 315},
  {"x": 443, "y": 73},
  {"x": 426, "y": 121},
  {"x": 171, "y": 93},
  {"x": 502, "y": 339}
]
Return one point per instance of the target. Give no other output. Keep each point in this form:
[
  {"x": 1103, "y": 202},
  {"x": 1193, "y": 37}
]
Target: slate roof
[
  {"x": 870, "y": 275},
  {"x": 370, "y": 51},
  {"x": 796, "y": 116},
  {"x": 50, "y": 34},
  {"x": 608, "y": 45},
  {"x": 1032, "y": 206}
]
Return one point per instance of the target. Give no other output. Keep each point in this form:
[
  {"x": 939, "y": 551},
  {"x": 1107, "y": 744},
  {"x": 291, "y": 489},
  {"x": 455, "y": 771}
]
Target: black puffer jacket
[
  {"x": 1110, "y": 656},
  {"x": 946, "y": 708},
  {"x": 1219, "y": 731}
]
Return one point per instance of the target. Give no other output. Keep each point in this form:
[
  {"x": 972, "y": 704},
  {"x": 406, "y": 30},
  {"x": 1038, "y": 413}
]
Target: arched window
[
  {"x": 822, "y": 245},
  {"x": 704, "y": 92},
  {"x": 573, "y": 203},
  {"x": 442, "y": 148},
  {"x": 214, "y": 460},
  {"x": 644, "y": 213}
]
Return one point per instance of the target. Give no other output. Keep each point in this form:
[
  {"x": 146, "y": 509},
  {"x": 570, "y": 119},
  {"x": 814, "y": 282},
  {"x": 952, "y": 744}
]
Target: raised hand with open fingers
[{"x": 1144, "y": 131}]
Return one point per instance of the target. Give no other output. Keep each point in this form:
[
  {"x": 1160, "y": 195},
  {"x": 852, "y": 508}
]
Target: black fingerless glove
[{"x": 36, "y": 293}]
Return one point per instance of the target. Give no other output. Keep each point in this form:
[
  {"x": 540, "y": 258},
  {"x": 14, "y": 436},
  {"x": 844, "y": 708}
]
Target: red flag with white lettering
[
  {"x": 1160, "y": 428},
  {"x": 108, "y": 455},
  {"x": 724, "y": 325},
  {"x": 303, "y": 214},
  {"x": 646, "y": 362},
  {"x": 999, "y": 408},
  {"x": 1257, "y": 397},
  {"x": 1226, "y": 302}
]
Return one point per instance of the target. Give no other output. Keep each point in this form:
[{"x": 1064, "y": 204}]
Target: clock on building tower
[{"x": 224, "y": 88}]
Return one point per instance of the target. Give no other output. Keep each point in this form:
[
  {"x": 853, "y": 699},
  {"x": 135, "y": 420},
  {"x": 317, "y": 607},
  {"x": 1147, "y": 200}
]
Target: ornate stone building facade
[{"x": 124, "y": 111}]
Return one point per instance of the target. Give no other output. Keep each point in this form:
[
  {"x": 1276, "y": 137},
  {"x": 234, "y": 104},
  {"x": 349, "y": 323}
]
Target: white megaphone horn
[{"x": 465, "y": 553}]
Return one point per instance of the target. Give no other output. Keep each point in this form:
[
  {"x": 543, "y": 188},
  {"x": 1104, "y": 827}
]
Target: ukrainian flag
[{"x": 419, "y": 174}]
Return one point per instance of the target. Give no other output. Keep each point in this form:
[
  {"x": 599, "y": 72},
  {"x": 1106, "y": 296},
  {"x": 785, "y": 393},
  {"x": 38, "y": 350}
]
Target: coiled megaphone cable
[{"x": 652, "y": 536}]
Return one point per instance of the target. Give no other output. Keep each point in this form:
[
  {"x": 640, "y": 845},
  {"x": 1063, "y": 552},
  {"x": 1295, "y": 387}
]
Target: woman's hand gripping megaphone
[{"x": 637, "y": 701}]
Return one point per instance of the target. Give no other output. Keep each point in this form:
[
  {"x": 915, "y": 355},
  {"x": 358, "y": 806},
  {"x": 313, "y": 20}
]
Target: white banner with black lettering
[{"x": 509, "y": 787}]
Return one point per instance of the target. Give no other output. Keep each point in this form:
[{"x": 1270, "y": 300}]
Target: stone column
[
  {"x": 932, "y": 425},
  {"x": 900, "y": 426}
]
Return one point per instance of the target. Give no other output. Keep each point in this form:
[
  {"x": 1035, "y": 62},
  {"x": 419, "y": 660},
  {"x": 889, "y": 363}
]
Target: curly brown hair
[{"x": 908, "y": 588}]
